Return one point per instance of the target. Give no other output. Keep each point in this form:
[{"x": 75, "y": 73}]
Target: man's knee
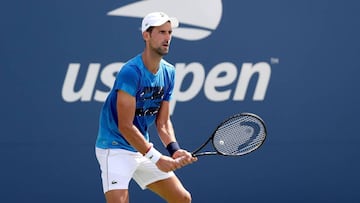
[{"x": 186, "y": 197}]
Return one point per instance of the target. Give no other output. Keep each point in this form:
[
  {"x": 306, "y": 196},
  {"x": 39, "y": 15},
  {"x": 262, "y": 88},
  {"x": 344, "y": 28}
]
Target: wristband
[
  {"x": 172, "y": 147},
  {"x": 153, "y": 155}
]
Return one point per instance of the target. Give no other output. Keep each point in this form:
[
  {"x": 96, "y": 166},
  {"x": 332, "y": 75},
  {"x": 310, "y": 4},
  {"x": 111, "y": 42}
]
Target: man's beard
[{"x": 160, "y": 51}]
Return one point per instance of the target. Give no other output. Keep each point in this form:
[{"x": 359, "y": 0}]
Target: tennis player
[{"x": 140, "y": 97}]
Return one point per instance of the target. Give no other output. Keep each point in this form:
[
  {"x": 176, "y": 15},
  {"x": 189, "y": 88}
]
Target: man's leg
[
  {"x": 117, "y": 167},
  {"x": 117, "y": 196},
  {"x": 171, "y": 190}
]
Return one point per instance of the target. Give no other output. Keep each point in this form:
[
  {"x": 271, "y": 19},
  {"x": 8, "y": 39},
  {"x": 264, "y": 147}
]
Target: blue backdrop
[{"x": 294, "y": 63}]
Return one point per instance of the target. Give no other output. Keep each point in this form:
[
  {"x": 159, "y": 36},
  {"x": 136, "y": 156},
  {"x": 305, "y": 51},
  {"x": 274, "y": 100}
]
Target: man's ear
[{"x": 146, "y": 35}]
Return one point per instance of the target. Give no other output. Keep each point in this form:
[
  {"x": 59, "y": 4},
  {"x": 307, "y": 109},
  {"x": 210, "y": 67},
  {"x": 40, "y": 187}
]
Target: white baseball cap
[{"x": 157, "y": 19}]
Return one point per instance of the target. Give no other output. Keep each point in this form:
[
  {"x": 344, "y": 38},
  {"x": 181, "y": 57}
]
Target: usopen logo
[{"x": 197, "y": 21}]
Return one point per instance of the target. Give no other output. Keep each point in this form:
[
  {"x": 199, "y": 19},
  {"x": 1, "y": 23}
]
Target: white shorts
[{"x": 118, "y": 166}]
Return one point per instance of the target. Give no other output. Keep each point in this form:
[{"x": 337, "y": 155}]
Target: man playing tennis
[{"x": 140, "y": 97}]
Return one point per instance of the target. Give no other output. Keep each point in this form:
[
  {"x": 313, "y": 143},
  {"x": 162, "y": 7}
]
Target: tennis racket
[{"x": 236, "y": 136}]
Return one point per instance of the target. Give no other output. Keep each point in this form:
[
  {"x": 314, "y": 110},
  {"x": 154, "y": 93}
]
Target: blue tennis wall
[{"x": 293, "y": 63}]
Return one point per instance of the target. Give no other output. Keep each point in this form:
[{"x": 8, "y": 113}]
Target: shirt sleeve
[{"x": 127, "y": 80}]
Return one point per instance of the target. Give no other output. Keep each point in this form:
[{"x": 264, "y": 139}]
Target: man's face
[{"x": 159, "y": 39}]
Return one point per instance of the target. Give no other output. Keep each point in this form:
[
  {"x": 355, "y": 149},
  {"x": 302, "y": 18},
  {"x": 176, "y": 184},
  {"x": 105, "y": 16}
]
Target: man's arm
[
  {"x": 164, "y": 125},
  {"x": 126, "y": 106},
  {"x": 166, "y": 132}
]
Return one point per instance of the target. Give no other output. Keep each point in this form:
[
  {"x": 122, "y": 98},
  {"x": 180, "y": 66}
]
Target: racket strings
[{"x": 239, "y": 135}]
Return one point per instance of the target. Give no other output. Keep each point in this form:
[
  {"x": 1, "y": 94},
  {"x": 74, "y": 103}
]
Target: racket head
[{"x": 239, "y": 135}]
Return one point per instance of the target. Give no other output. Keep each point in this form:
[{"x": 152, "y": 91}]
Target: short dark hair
[{"x": 150, "y": 29}]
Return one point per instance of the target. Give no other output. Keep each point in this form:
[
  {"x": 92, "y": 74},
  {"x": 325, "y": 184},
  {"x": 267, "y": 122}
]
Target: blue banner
[{"x": 295, "y": 64}]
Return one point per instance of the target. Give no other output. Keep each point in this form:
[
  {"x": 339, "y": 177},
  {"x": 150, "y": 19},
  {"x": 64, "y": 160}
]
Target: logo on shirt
[
  {"x": 198, "y": 19},
  {"x": 150, "y": 99}
]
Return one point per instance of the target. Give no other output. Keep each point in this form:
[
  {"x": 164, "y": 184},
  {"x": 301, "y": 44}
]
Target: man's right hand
[{"x": 167, "y": 164}]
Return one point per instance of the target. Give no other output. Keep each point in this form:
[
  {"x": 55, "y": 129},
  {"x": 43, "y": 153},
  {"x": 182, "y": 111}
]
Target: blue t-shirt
[{"x": 149, "y": 90}]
